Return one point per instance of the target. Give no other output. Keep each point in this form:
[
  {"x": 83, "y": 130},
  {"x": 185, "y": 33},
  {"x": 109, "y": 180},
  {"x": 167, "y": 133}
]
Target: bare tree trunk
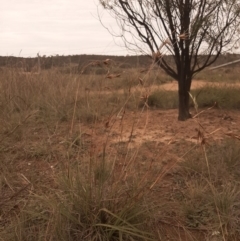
[{"x": 183, "y": 95}]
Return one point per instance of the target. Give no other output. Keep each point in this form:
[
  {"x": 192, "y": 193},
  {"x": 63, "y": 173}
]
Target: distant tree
[{"x": 194, "y": 32}]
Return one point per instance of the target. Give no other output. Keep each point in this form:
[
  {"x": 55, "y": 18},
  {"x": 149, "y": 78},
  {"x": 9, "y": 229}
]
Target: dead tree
[{"x": 194, "y": 32}]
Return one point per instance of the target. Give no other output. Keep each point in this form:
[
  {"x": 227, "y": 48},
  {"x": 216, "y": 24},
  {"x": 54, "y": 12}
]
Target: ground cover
[{"x": 87, "y": 157}]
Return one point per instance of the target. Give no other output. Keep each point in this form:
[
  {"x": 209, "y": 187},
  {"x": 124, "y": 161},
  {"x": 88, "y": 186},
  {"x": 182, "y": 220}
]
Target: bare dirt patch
[
  {"x": 197, "y": 84},
  {"x": 163, "y": 128},
  {"x": 170, "y": 86}
]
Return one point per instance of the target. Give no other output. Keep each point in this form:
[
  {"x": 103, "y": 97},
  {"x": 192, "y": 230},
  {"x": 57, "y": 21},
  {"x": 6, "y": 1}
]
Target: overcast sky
[{"x": 53, "y": 27}]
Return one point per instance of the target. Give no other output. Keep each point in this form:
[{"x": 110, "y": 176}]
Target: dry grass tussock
[{"x": 62, "y": 177}]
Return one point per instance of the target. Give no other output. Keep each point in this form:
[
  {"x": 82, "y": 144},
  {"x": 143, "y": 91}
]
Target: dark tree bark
[
  {"x": 194, "y": 32},
  {"x": 183, "y": 95}
]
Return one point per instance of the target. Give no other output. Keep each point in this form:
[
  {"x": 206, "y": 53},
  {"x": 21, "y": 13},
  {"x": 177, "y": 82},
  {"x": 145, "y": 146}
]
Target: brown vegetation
[{"x": 85, "y": 157}]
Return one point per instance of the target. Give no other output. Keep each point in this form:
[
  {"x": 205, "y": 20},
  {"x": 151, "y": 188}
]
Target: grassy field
[{"x": 63, "y": 176}]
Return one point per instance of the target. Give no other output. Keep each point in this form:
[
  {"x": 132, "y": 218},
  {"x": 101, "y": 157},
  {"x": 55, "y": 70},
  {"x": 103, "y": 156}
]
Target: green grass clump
[
  {"x": 223, "y": 97},
  {"x": 90, "y": 203},
  {"x": 212, "y": 193},
  {"x": 163, "y": 99}
]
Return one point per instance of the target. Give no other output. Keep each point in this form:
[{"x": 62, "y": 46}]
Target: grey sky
[{"x": 53, "y": 27}]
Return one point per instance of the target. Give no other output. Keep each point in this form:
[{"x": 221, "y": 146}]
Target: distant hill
[
  {"x": 80, "y": 60},
  {"x": 47, "y": 62}
]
